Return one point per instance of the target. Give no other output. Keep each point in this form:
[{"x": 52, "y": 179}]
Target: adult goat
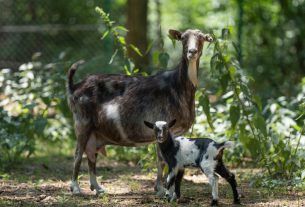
[{"x": 110, "y": 109}]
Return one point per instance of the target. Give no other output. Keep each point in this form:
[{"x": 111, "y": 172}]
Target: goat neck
[
  {"x": 188, "y": 79},
  {"x": 167, "y": 145}
]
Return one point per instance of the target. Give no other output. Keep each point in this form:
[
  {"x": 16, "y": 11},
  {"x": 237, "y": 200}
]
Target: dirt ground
[{"x": 45, "y": 182}]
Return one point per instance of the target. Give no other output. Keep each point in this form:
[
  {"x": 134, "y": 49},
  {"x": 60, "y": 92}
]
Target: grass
[{"x": 44, "y": 181}]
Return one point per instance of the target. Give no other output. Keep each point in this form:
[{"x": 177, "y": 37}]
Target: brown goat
[{"x": 110, "y": 109}]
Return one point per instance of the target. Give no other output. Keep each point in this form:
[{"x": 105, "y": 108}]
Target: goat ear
[
  {"x": 175, "y": 34},
  {"x": 148, "y": 124},
  {"x": 172, "y": 123},
  {"x": 207, "y": 37}
]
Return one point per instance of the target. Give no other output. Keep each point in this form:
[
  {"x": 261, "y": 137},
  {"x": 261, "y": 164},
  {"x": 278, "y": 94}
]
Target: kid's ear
[
  {"x": 148, "y": 124},
  {"x": 175, "y": 34},
  {"x": 172, "y": 123}
]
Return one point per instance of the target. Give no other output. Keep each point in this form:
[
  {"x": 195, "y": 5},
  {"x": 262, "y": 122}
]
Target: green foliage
[
  {"x": 120, "y": 42},
  {"x": 33, "y": 108},
  {"x": 269, "y": 135}
]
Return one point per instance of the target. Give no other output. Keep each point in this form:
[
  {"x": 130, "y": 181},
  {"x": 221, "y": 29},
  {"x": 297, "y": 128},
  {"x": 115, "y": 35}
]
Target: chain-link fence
[{"x": 51, "y": 29}]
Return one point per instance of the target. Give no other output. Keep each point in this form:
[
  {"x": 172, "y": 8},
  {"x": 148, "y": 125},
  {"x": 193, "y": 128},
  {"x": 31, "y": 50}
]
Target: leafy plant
[{"x": 33, "y": 108}]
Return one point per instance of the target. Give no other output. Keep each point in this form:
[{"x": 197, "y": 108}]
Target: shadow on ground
[{"x": 44, "y": 181}]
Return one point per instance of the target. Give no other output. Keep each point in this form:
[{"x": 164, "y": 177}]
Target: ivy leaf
[{"x": 234, "y": 115}]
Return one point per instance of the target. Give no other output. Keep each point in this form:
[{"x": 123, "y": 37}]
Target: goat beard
[{"x": 192, "y": 72}]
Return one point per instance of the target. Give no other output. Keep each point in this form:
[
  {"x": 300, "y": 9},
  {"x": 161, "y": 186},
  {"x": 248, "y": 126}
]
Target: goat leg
[
  {"x": 230, "y": 178},
  {"x": 159, "y": 187}
]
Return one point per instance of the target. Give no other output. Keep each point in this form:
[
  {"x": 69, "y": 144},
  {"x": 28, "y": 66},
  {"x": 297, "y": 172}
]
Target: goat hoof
[
  {"x": 167, "y": 196},
  {"x": 237, "y": 201},
  {"x": 74, "y": 187},
  {"x": 100, "y": 191},
  {"x": 173, "y": 198},
  {"x": 75, "y": 191},
  {"x": 92, "y": 188},
  {"x": 214, "y": 203},
  {"x": 97, "y": 189},
  {"x": 160, "y": 192}
]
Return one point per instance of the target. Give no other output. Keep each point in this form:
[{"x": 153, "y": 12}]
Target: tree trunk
[{"x": 137, "y": 35}]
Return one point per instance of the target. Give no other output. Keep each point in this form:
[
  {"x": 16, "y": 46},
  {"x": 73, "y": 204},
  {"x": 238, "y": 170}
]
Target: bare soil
[{"x": 45, "y": 182}]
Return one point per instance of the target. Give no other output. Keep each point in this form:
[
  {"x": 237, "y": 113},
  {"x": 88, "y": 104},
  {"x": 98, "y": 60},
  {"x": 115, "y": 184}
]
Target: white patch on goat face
[
  {"x": 160, "y": 124},
  {"x": 112, "y": 112},
  {"x": 192, "y": 45}
]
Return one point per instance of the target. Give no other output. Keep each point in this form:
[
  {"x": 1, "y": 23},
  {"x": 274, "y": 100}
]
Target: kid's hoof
[
  {"x": 160, "y": 193},
  {"x": 173, "y": 198},
  {"x": 214, "y": 203}
]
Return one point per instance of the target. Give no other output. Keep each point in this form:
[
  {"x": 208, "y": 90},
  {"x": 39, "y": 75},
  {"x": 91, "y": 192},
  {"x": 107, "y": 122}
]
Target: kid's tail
[{"x": 226, "y": 144}]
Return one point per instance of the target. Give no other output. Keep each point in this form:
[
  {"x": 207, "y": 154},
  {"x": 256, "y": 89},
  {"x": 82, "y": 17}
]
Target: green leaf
[
  {"x": 258, "y": 102},
  {"x": 205, "y": 103},
  {"x": 244, "y": 139},
  {"x": 105, "y": 34},
  {"x": 232, "y": 72},
  {"x": 213, "y": 60},
  {"x": 260, "y": 124},
  {"x": 127, "y": 72},
  {"x": 254, "y": 147},
  {"x": 113, "y": 56},
  {"x": 40, "y": 124},
  {"x": 224, "y": 81},
  {"x": 155, "y": 57},
  {"x": 149, "y": 47},
  {"x": 122, "y": 40},
  {"x": 120, "y": 28},
  {"x": 163, "y": 59},
  {"x": 136, "y": 49},
  {"x": 234, "y": 115}
]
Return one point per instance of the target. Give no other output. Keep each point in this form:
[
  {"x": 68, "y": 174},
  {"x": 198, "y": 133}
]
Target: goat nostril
[{"x": 193, "y": 51}]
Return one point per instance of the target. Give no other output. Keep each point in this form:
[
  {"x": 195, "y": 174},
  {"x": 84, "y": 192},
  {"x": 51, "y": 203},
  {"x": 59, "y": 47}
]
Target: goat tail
[
  {"x": 226, "y": 144},
  {"x": 70, "y": 75}
]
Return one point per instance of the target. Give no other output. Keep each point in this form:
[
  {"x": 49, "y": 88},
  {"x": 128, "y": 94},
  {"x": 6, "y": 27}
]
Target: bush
[{"x": 33, "y": 107}]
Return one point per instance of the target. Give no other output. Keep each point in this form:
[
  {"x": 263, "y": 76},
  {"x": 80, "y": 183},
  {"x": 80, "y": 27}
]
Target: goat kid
[
  {"x": 181, "y": 152},
  {"x": 109, "y": 109}
]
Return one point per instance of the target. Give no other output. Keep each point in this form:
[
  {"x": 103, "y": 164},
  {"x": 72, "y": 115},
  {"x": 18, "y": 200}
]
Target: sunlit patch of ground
[{"x": 45, "y": 182}]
